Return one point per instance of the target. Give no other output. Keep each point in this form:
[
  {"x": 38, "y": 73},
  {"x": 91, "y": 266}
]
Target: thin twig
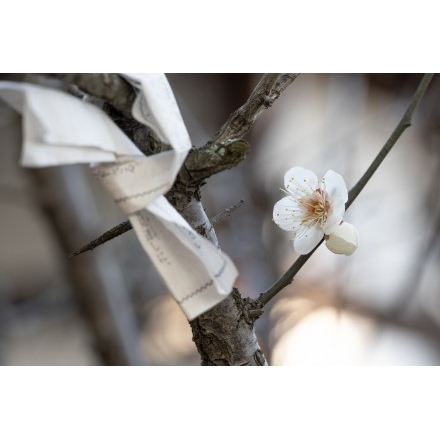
[
  {"x": 404, "y": 123},
  {"x": 124, "y": 227},
  {"x": 225, "y": 213},
  {"x": 284, "y": 80},
  {"x": 107, "y": 236}
]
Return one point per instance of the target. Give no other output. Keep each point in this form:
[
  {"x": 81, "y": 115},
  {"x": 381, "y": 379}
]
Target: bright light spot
[{"x": 325, "y": 337}]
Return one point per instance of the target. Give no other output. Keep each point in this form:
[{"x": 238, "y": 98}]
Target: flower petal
[
  {"x": 287, "y": 214},
  {"x": 335, "y": 216},
  {"x": 307, "y": 239},
  {"x": 334, "y": 185},
  {"x": 300, "y": 182}
]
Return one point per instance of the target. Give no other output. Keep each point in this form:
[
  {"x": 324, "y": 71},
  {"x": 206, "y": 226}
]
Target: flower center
[{"x": 316, "y": 208}]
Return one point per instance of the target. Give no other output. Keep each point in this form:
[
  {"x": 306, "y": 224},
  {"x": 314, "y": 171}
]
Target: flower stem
[{"x": 404, "y": 123}]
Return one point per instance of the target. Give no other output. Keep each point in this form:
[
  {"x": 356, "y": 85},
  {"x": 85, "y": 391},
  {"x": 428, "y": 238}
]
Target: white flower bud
[{"x": 342, "y": 239}]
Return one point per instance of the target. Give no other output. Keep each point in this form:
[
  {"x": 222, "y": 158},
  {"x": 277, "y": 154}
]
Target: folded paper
[{"x": 60, "y": 129}]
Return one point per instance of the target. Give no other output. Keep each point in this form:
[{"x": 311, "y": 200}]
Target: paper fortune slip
[{"x": 60, "y": 129}]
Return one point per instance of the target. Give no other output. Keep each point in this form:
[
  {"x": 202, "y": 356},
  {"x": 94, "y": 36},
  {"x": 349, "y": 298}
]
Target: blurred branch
[
  {"x": 99, "y": 283},
  {"x": 427, "y": 251},
  {"x": 403, "y": 124},
  {"x": 418, "y": 322}
]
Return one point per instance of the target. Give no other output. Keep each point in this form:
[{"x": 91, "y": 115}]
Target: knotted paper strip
[{"x": 60, "y": 129}]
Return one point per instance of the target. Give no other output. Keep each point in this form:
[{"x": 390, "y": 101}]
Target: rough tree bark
[{"x": 224, "y": 335}]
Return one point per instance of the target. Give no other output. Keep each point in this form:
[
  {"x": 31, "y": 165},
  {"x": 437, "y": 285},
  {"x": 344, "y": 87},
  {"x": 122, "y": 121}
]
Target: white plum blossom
[{"x": 311, "y": 208}]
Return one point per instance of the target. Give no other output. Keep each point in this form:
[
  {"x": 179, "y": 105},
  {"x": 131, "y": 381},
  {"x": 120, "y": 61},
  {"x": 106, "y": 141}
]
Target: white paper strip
[
  {"x": 178, "y": 251},
  {"x": 60, "y": 129}
]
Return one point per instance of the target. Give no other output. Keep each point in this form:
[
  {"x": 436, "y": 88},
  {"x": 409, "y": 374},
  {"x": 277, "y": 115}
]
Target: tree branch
[
  {"x": 224, "y": 151},
  {"x": 117, "y": 97},
  {"x": 212, "y": 158},
  {"x": 404, "y": 123},
  {"x": 109, "y": 87},
  {"x": 265, "y": 93}
]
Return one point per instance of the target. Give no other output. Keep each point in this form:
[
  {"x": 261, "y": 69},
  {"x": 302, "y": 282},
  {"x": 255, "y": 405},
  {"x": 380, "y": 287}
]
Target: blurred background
[{"x": 380, "y": 306}]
